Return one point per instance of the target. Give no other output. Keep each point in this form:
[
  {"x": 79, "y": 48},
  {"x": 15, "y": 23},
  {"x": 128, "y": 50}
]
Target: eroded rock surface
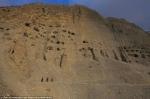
[{"x": 71, "y": 52}]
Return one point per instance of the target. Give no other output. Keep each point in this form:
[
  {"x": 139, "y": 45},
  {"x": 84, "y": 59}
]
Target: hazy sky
[{"x": 137, "y": 11}]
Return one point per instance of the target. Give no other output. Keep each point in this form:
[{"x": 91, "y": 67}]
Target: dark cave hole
[
  {"x": 58, "y": 49},
  {"x": 58, "y": 42},
  {"x": 47, "y": 79},
  {"x": 36, "y": 29},
  {"x": 27, "y": 24},
  {"x": 53, "y": 36},
  {"x": 85, "y": 41},
  {"x": 25, "y": 34},
  {"x": 50, "y": 48},
  {"x": 52, "y": 79},
  {"x": 42, "y": 79},
  {"x": 64, "y": 30}
]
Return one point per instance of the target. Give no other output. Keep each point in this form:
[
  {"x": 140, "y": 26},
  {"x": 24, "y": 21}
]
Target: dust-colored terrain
[{"x": 71, "y": 53}]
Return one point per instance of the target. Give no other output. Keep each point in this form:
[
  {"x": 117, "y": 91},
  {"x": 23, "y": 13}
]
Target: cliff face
[
  {"x": 71, "y": 53},
  {"x": 133, "y": 40}
]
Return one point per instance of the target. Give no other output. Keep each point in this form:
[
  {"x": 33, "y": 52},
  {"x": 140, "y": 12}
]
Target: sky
[{"x": 136, "y": 11}]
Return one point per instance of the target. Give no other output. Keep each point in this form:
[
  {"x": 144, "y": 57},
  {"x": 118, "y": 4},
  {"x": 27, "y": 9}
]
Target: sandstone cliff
[{"x": 71, "y": 52}]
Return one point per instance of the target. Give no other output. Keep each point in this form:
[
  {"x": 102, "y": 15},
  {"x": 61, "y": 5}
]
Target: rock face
[{"x": 71, "y": 53}]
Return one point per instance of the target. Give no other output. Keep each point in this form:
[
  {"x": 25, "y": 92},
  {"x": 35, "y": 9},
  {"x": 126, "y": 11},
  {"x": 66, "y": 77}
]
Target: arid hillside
[{"x": 72, "y": 52}]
